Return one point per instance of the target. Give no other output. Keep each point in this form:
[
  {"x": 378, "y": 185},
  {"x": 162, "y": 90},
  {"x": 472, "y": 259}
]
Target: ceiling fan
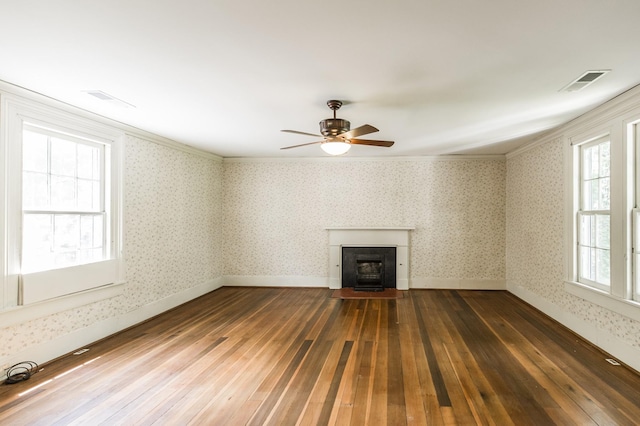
[{"x": 337, "y": 135}]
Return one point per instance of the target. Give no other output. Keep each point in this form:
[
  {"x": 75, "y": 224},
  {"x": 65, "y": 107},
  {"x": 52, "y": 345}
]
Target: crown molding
[{"x": 495, "y": 157}]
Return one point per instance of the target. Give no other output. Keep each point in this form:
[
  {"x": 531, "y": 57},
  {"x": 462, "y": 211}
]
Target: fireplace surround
[{"x": 374, "y": 237}]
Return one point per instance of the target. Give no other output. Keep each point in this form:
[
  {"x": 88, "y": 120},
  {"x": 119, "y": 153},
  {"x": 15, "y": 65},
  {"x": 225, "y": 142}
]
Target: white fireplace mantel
[{"x": 397, "y": 237}]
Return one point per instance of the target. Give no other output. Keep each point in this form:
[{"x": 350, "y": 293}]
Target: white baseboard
[
  {"x": 275, "y": 281},
  {"x": 62, "y": 345},
  {"x": 458, "y": 284},
  {"x": 599, "y": 337},
  {"x": 326, "y": 282}
]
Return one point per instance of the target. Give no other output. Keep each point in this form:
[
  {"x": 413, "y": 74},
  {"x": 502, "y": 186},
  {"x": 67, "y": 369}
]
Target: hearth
[{"x": 369, "y": 268}]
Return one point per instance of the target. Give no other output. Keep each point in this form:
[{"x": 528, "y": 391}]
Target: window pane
[
  {"x": 89, "y": 255},
  {"x": 586, "y": 222},
  {"x": 88, "y": 165},
  {"x": 98, "y": 231},
  {"x": 605, "y": 159},
  {"x": 586, "y": 263},
  {"x": 34, "y": 152},
  {"x": 65, "y": 258},
  {"x": 86, "y": 197},
  {"x": 602, "y": 231},
  {"x": 91, "y": 231},
  {"x": 63, "y": 193},
  {"x": 37, "y": 242},
  {"x": 40, "y": 232},
  {"x": 604, "y": 194},
  {"x": 35, "y": 191},
  {"x": 589, "y": 195},
  {"x": 590, "y": 162},
  {"x": 97, "y": 196},
  {"x": 63, "y": 157},
  {"x": 602, "y": 266},
  {"x": 66, "y": 232}
]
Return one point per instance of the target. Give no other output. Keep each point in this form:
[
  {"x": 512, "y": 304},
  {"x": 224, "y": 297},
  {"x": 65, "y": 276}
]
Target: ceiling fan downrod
[{"x": 336, "y": 126}]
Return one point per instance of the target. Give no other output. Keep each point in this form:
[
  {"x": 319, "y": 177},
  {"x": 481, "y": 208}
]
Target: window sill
[
  {"x": 21, "y": 314},
  {"x": 628, "y": 308}
]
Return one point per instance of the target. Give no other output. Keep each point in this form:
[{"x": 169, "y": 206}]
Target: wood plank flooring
[{"x": 276, "y": 356}]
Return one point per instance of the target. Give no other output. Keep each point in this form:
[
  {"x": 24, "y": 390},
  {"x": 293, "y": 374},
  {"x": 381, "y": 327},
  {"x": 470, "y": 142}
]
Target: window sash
[
  {"x": 86, "y": 244},
  {"x": 593, "y": 250},
  {"x": 48, "y": 249},
  {"x": 635, "y": 250},
  {"x": 101, "y": 179},
  {"x": 594, "y": 253}
]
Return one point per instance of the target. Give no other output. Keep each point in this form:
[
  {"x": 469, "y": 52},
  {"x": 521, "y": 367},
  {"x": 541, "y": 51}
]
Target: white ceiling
[{"x": 437, "y": 77}]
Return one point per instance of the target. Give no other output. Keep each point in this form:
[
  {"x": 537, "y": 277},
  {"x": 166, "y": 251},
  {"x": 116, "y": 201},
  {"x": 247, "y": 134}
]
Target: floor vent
[
  {"x": 612, "y": 361},
  {"x": 584, "y": 80}
]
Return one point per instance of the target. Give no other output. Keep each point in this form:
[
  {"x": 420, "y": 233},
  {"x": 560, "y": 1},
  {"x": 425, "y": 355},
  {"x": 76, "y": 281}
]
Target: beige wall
[{"x": 276, "y": 212}]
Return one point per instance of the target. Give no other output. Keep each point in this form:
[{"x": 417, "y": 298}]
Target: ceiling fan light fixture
[{"x": 335, "y": 147}]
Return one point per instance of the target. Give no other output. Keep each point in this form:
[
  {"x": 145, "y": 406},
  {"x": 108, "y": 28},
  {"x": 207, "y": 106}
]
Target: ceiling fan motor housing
[{"x": 334, "y": 126}]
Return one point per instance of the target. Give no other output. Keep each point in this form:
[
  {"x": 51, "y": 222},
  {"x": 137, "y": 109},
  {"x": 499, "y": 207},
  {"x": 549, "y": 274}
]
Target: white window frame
[
  {"x": 582, "y": 212},
  {"x": 104, "y": 208},
  {"x": 633, "y": 136},
  {"x": 619, "y": 296},
  {"x": 66, "y": 287}
]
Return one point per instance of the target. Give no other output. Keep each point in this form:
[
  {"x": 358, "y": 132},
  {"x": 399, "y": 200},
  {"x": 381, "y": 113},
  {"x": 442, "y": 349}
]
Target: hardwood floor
[{"x": 296, "y": 356}]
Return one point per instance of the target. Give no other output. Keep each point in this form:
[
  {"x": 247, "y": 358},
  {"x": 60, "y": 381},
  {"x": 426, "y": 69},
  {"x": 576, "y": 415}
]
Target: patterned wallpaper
[
  {"x": 535, "y": 210},
  {"x": 535, "y": 224},
  {"x": 173, "y": 219},
  {"x": 172, "y": 234},
  {"x": 276, "y": 213}
]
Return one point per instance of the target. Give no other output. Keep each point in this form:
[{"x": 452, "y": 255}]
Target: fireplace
[
  {"x": 396, "y": 238},
  {"x": 369, "y": 268}
]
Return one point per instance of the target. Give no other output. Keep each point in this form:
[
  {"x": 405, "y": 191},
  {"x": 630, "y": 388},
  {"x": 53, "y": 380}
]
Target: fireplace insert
[{"x": 369, "y": 268}]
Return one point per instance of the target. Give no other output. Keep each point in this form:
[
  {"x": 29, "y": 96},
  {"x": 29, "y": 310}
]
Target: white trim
[
  {"x": 628, "y": 308},
  {"x": 323, "y": 282},
  {"x": 600, "y": 337},
  {"x": 397, "y": 237},
  {"x": 39, "y": 286},
  {"x": 275, "y": 281},
  {"x": 50, "y": 350},
  {"x": 458, "y": 284},
  {"x": 494, "y": 157},
  {"x": 370, "y": 228},
  {"x": 22, "y": 314}
]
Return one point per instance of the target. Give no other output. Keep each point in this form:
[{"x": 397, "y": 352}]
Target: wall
[
  {"x": 536, "y": 230},
  {"x": 276, "y": 212},
  {"x": 172, "y": 249}
]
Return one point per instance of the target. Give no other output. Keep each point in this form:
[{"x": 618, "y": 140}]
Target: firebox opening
[{"x": 369, "y": 268}]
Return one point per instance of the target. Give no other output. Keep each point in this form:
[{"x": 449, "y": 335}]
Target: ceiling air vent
[
  {"x": 108, "y": 98},
  {"x": 584, "y": 80}
]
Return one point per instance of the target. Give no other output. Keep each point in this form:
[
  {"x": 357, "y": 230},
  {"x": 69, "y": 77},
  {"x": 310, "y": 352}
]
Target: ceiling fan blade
[
  {"x": 302, "y": 144},
  {"x": 371, "y": 142},
  {"x": 358, "y": 131},
  {"x": 301, "y": 133}
]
